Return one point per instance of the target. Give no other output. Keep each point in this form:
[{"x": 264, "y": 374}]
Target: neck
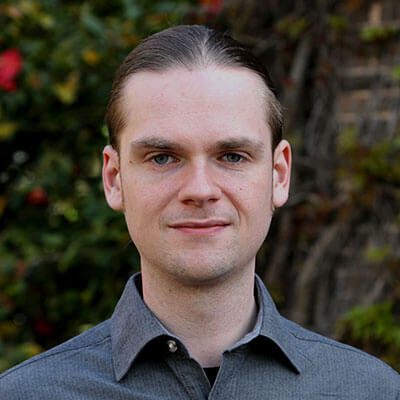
[{"x": 208, "y": 318}]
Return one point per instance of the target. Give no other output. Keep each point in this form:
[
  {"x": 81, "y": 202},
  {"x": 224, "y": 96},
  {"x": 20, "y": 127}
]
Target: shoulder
[
  {"x": 345, "y": 363},
  {"x": 73, "y": 358}
]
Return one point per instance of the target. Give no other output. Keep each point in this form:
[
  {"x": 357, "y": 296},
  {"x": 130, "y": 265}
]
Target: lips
[{"x": 200, "y": 227}]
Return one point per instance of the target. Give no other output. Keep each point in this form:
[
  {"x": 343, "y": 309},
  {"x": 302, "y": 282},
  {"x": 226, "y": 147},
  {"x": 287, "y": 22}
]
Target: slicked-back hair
[{"x": 188, "y": 46}]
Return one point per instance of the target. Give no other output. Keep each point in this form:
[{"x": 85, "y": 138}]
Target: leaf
[
  {"x": 377, "y": 33},
  {"x": 338, "y": 23},
  {"x": 396, "y": 72},
  {"x": 67, "y": 91},
  {"x": 377, "y": 254},
  {"x": 90, "y": 56},
  {"x": 104, "y": 131},
  {"x": 347, "y": 140},
  {"x": 91, "y": 22},
  {"x": 30, "y": 349},
  {"x": 7, "y": 130}
]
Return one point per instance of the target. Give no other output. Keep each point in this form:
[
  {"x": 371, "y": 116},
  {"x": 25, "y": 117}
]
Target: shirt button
[{"x": 172, "y": 346}]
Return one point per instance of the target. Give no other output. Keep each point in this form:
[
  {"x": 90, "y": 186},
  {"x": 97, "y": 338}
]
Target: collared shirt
[{"x": 132, "y": 356}]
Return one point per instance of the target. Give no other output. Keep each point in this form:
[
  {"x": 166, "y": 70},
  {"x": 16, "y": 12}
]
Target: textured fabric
[{"x": 132, "y": 356}]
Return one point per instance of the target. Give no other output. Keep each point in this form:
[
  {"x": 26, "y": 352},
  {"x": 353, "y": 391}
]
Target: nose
[{"x": 199, "y": 186}]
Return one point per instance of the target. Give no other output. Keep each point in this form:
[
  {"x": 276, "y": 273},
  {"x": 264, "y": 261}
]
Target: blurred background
[{"x": 332, "y": 259}]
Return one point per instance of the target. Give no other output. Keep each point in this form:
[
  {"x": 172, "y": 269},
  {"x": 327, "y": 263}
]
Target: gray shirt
[{"x": 132, "y": 356}]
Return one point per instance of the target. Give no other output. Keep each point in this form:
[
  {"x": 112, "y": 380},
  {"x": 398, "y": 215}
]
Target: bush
[{"x": 64, "y": 255}]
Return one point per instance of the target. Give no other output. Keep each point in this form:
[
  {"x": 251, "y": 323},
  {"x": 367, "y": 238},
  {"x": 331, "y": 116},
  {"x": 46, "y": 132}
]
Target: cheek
[
  {"x": 254, "y": 203},
  {"x": 144, "y": 200},
  {"x": 252, "y": 194}
]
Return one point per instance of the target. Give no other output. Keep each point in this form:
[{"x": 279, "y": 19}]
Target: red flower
[
  {"x": 214, "y": 7},
  {"x": 43, "y": 328},
  {"x": 10, "y": 67},
  {"x": 37, "y": 197}
]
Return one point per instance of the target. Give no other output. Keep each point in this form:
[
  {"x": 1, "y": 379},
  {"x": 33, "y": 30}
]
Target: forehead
[{"x": 183, "y": 102}]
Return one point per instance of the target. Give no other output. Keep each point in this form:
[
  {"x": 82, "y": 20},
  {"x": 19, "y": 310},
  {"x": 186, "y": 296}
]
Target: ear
[
  {"x": 112, "y": 178},
  {"x": 281, "y": 173}
]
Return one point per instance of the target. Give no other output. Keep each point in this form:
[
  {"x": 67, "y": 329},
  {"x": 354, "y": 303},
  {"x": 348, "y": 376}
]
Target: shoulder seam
[
  {"x": 333, "y": 344},
  {"x": 342, "y": 346},
  {"x": 50, "y": 354}
]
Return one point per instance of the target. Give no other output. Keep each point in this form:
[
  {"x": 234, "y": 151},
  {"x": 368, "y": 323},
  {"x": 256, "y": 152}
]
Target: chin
[{"x": 198, "y": 272}]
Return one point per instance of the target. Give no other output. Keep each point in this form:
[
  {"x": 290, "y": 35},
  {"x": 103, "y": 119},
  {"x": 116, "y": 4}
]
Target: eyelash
[
  {"x": 153, "y": 159},
  {"x": 242, "y": 158},
  {"x": 171, "y": 159}
]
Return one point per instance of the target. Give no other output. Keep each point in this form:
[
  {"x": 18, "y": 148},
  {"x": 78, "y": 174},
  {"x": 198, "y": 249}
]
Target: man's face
[{"x": 195, "y": 176}]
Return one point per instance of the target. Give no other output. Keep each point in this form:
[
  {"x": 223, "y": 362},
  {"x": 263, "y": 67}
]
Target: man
[{"x": 197, "y": 165}]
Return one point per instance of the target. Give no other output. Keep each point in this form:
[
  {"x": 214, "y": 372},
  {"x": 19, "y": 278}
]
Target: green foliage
[
  {"x": 338, "y": 23},
  {"x": 64, "y": 255},
  {"x": 347, "y": 140},
  {"x": 292, "y": 27},
  {"x": 377, "y": 254},
  {"x": 396, "y": 72},
  {"x": 375, "y": 327},
  {"x": 365, "y": 169},
  {"x": 375, "y": 33},
  {"x": 368, "y": 175}
]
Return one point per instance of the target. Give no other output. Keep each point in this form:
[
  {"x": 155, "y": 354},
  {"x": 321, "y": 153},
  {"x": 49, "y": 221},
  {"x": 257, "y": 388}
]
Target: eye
[
  {"x": 232, "y": 157},
  {"x": 162, "y": 159}
]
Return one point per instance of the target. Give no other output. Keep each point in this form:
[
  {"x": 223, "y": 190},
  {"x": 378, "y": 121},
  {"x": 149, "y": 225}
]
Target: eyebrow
[
  {"x": 233, "y": 143},
  {"x": 236, "y": 143},
  {"x": 155, "y": 143}
]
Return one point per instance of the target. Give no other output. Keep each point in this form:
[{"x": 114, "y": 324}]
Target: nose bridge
[{"x": 199, "y": 184}]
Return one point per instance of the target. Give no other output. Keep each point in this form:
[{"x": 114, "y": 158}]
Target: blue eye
[
  {"x": 161, "y": 159},
  {"x": 233, "y": 157}
]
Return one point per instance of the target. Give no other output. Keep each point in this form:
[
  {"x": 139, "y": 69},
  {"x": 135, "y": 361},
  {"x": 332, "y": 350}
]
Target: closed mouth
[
  {"x": 200, "y": 227},
  {"x": 199, "y": 224}
]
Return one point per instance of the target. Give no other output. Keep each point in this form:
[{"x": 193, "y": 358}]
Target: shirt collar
[
  {"x": 133, "y": 326},
  {"x": 275, "y": 328}
]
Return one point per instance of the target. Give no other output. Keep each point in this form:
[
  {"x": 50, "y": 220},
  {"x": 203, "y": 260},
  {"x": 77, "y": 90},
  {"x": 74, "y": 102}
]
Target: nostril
[
  {"x": 199, "y": 186},
  {"x": 199, "y": 193}
]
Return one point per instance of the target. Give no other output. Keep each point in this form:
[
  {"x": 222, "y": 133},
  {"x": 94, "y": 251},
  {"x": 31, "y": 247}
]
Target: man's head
[
  {"x": 196, "y": 174},
  {"x": 188, "y": 46}
]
